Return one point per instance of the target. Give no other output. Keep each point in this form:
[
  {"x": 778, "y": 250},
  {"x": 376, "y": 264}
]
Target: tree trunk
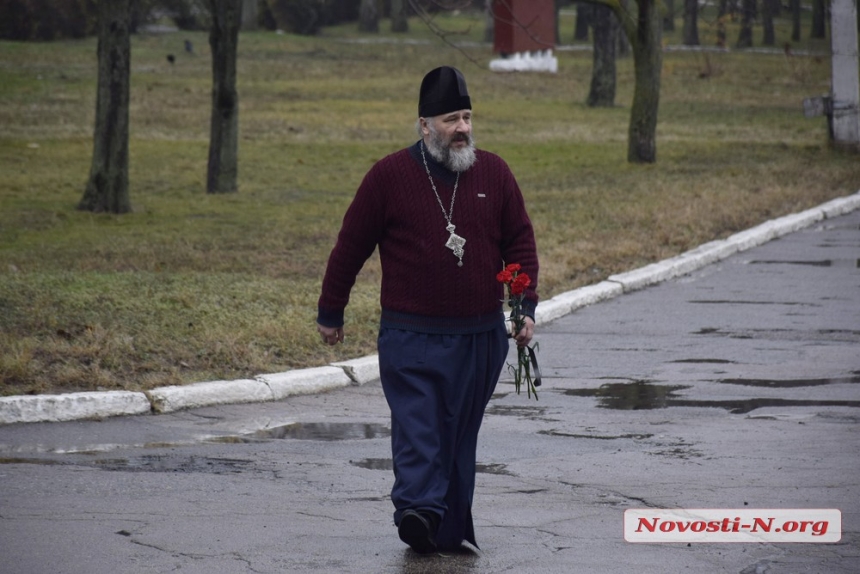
[
  {"x": 583, "y": 21},
  {"x": 368, "y": 16},
  {"x": 646, "y": 39},
  {"x": 399, "y": 22},
  {"x": 107, "y": 187},
  {"x": 722, "y": 16},
  {"x": 622, "y": 46},
  {"x": 775, "y": 8},
  {"x": 745, "y": 38},
  {"x": 250, "y": 15},
  {"x": 768, "y": 38},
  {"x": 669, "y": 18},
  {"x": 819, "y": 24},
  {"x": 602, "y": 93},
  {"x": 691, "y": 22},
  {"x": 795, "y": 20},
  {"x": 224, "y": 132}
]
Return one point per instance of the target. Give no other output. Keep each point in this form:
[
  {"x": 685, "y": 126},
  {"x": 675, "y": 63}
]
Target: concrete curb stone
[
  {"x": 304, "y": 381},
  {"x": 269, "y": 387},
  {"x": 565, "y": 303},
  {"x": 179, "y": 397},
  {"x": 362, "y": 370},
  {"x": 72, "y": 406}
]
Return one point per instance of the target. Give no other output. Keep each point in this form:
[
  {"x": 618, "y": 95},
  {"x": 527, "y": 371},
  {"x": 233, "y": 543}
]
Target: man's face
[
  {"x": 448, "y": 138},
  {"x": 452, "y": 130}
]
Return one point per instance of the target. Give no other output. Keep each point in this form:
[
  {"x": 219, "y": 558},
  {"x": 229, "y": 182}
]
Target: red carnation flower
[
  {"x": 526, "y": 370},
  {"x": 519, "y": 284}
]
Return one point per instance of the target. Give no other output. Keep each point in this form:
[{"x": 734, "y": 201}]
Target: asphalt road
[{"x": 734, "y": 387}]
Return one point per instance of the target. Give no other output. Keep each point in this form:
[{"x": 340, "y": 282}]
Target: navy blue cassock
[{"x": 437, "y": 387}]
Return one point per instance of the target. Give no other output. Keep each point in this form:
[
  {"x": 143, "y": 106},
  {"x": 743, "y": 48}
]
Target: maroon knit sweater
[{"x": 423, "y": 289}]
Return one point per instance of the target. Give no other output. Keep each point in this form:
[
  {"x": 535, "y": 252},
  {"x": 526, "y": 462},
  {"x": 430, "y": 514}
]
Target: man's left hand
[{"x": 524, "y": 337}]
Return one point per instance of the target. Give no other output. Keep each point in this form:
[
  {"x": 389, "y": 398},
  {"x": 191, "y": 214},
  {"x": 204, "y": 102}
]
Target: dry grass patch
[{"x": 191, "y": 287}]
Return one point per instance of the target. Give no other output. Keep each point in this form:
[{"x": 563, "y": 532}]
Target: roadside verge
[{"x": 277, "y": 386}]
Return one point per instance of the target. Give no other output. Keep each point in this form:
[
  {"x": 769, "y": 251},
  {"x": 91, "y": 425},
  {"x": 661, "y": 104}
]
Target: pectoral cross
[{"x": 455, "y": 243}]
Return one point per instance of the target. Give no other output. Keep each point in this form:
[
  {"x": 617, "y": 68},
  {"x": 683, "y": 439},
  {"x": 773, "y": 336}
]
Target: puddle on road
[
  {"x": 388, "y": 464},
  {"x": 642, "y": 395},
  {"x": 705, "y": 361},
  {"x": 593, "y": 436},
  {"x": 515, "y": 411},
  {"x": 852, "y": 263},
  {"x": 297, "y": 431},
  {"x": 158, "y": 463},
  {"x": 791, "y": 383},
  {"x": 149, "y": 463},
  {"x": 9, "y": 460},
  {"x": 750, "y": 302},
  {"x": 492, "y": 468},
  {"x": 324, "y": 431},
  {"x": 374, "y": 463},
  {"x": 834, "y": 335},
  {"x": 638, "y": 395}
]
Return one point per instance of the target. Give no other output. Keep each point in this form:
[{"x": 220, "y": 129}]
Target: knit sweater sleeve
[
  {"x": 358, "y": 237},
  {"x": 518, "y": 242}
]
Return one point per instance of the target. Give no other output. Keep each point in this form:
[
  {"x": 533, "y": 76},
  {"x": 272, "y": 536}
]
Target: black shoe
[{"x": 417, "y": 531}]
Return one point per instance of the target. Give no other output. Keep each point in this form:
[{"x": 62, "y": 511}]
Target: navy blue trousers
[{"x": 437, "y": 387}]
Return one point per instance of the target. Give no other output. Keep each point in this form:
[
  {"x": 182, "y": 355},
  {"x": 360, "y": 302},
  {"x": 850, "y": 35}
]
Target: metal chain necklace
[{"x": 455, "y": 243}]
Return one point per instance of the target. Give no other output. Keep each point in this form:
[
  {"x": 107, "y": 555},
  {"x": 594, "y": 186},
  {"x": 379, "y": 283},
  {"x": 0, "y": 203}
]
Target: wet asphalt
[{"x": 732, "y": 387}]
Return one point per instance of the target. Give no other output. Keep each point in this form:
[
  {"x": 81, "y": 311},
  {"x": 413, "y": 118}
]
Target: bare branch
[
  {"x": 438, "y": 31},
  {"x": 627, "y": 18},
  {"x": 450, "y": 6}
]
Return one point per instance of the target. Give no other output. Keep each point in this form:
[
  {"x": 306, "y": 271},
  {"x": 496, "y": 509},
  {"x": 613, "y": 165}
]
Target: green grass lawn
[{"x": 192, "y": 287}]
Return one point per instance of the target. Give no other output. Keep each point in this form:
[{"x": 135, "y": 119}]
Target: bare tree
[
  {"x": 368, "y": 16},
  {"x": 223, "y": 164},
  {"x": 795, "y": 20},
  {"x": 691, "y": 22},
  {"x": 107, "y": 188},
  {"x": 767, "y": 14},
  {"x": 819, "y": 19},
  {"x": 583, "y": 21},
  {"x": 603, "y": 75},
  {"x": 644, "y": 29},
  {"x": 399, "y": 22},
  {"x": 722, "y": 16},
  {"x": 748, "y": 14},
  {"x": 669, "y": 17},
  {"x": 622, "y": 50},
  {"x": 250, "y": 15}
]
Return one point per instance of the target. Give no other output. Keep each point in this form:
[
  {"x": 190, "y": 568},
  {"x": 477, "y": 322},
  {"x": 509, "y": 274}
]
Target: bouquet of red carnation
[{"x": 526, "y": 369}]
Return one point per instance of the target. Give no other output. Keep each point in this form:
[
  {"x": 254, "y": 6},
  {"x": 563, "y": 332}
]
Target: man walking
[{"x": 446, "y": 217}]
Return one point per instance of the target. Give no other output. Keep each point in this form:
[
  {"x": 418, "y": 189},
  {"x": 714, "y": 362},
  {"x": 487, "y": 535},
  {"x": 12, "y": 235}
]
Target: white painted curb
[
  {"x": 304, "y": 381},
  {"x": 174, "y": 398},
  {"x": 73, "y": 406},
  {"x": 565, "y": 303},
  {"x": 361, "y": 371},
  {"x": 717, "y": 250}
]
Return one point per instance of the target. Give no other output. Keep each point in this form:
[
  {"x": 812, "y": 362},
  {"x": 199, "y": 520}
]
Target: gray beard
[{"x": 455, "y": 160}]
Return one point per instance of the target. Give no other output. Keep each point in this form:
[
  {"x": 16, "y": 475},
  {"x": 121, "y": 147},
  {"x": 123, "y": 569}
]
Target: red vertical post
[{"x": 523, "y": 26}]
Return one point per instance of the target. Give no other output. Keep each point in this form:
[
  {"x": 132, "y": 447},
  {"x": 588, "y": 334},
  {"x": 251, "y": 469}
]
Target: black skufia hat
[{"x": 443, "y": 90}]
